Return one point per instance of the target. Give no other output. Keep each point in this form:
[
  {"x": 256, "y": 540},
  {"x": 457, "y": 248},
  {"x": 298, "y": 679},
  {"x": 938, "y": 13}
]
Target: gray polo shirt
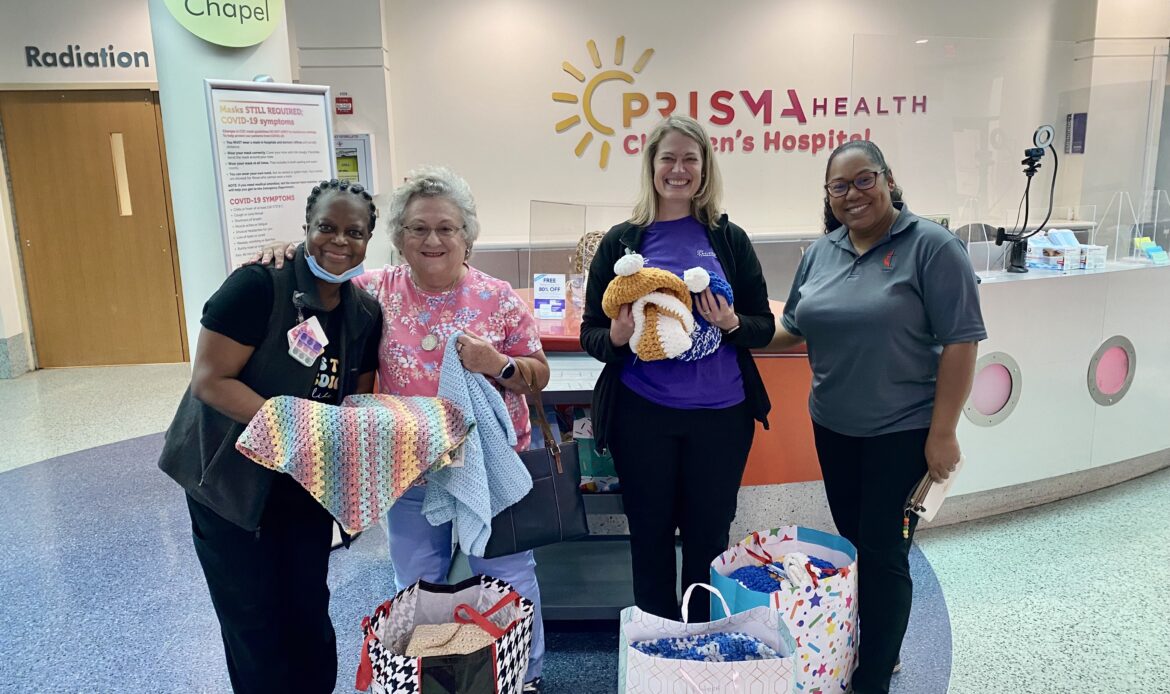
[{"x": 876, "y": 324}]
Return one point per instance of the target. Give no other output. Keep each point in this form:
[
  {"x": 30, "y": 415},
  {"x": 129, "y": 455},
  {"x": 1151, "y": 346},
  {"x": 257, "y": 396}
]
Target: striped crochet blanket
[{"x": 359, "y": 457}]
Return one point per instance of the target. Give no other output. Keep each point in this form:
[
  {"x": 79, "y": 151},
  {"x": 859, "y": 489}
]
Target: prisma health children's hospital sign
[
  {"x": 765, "y": 119},
  {"x": 228, "y": 23}
]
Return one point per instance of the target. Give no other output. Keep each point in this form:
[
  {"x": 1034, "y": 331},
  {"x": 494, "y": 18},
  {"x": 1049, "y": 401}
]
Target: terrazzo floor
[
  {"x": 52, "y": 412},
  {"x": 100, "y": 590}
]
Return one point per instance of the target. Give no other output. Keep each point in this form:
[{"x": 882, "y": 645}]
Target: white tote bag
[{"x": 639, "y": 673}]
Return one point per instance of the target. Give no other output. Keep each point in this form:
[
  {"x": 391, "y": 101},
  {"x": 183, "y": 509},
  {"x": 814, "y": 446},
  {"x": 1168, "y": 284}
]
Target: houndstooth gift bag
[{"x": 489, "y": 603}]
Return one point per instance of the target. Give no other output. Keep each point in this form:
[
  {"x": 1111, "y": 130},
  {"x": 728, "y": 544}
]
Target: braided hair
[
  {"x": 875, "y": 155},
  {"x": 326, "y": 189}
]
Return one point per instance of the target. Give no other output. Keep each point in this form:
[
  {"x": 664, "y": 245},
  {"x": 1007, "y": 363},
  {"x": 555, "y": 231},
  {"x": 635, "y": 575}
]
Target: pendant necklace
[{"x": 430, "y": 341}]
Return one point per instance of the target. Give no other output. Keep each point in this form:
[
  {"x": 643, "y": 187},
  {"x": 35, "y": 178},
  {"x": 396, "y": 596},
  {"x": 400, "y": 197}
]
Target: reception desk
[
  {"x": 1056, "y": 440},
  {"x": 1056, "y": 434}
]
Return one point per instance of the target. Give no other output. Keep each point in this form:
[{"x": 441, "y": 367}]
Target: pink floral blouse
[{"x": 481, "y": 304}]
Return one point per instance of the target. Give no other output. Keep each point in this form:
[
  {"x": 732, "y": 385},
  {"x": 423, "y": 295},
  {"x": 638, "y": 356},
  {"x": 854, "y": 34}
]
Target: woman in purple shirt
[{"x": 679, "y": 431}]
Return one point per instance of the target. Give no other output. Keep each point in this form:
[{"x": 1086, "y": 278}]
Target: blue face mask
[{"x": 323, "y": 274}]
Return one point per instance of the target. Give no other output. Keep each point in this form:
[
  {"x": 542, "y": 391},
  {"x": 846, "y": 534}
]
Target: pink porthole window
[
  {"x": 991, "y": 389},
  {"x": 995, "y": 390},
  {"x": 1111, "y": 370}
]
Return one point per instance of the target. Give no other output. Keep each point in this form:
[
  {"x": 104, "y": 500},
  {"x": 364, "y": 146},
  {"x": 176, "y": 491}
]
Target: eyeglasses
[
  {"x": 864, "y": 181},
  {"x": 421, "y": 232},
  {"x": 351, "y": 233}
]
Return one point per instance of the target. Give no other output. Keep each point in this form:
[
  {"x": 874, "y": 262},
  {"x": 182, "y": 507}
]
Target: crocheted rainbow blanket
[{"x": 359, "y": 457}]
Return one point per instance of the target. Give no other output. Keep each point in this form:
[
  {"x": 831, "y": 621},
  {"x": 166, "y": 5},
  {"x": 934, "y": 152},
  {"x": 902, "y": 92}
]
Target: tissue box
[
  {"x": 1092, "y": 257},
  {"x": 1044, "y": 255}
]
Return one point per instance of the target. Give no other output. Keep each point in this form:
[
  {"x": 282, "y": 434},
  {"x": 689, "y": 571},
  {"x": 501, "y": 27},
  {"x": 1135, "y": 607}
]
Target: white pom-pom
[
  {"x": 697, "y": 279},
  {"x": 629, "y": 264}
]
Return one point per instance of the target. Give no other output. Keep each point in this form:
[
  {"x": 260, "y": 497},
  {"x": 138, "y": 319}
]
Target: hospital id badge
[{"x": 306, "y": 341}]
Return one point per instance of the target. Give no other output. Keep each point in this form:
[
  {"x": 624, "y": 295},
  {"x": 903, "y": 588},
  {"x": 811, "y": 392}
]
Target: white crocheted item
[
  {"x": 697, "y": 279},
  {"x": 795, "y": 568},
  {"x": 629, "y": 264},
  {"x": 673, "y": 335},
  {"x": 492, "y": 476}
]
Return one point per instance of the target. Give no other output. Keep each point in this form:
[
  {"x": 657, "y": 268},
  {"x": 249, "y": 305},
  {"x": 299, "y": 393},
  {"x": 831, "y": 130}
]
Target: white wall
[
  {"x": 473, "y": 83},
  {"x": 345, "y": 50},
  {"x": 1162, "y": 175},
  {"x": 1131, "y": 40},
  {"x": 54, "y": 25},
  {"x": 12, "y": 321},
  {"x": 185, "y": 61},
  {"x": 1133, "y": 19},
  {"x": 1121, "y": 144}
]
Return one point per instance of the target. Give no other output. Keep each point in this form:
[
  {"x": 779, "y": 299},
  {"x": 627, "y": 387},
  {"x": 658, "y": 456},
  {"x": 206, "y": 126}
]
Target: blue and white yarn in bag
[
  {"x": 728, "y": 647},
  {"x": 707, "y": 337}
]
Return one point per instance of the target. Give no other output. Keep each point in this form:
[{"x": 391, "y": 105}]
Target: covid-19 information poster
[{"x": 271, "y": 143}]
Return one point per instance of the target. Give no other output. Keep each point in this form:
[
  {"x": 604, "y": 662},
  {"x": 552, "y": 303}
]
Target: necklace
[{"x": 430, "y": 341}]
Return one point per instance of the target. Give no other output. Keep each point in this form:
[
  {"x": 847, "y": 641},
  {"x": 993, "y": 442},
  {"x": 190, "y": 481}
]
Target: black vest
[{"x": 200, "y": 449}]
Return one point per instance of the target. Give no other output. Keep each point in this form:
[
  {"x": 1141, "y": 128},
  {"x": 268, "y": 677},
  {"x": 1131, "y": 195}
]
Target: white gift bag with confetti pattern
[
  {"x": 640, "y": 673},
  {"x": 820, "y": 612}
]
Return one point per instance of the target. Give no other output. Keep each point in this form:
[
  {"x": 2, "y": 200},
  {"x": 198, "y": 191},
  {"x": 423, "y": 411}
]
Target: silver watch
[{"x": 508, "y": 371}]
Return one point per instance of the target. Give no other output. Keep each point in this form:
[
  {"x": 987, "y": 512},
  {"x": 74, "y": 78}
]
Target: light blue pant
[{"x": 421, "y": 550}]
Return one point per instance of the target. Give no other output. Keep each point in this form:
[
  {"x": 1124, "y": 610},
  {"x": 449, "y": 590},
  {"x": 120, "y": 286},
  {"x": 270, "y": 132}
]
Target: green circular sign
[{"x": 235, "y": 23}]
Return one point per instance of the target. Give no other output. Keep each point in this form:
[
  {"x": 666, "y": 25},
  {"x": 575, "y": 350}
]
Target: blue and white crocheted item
[
  {"x": 730, "y": 647},
  {"x": 799, "y": 570},
  {"x": 706, "y": 338},
  {"x": 492, "y": 476}
]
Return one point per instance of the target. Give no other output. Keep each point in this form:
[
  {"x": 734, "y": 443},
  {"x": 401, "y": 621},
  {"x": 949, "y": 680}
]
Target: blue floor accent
[{"x": 100, "y": 591}]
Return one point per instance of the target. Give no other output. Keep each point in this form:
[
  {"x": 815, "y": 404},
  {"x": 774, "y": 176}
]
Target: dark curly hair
[{"x": 327, "y": 189}]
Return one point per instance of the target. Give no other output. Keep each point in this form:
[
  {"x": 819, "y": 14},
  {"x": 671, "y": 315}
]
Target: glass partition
[
  {"x": 965, "y": 110},
  {"x": 556, "y": 229}
]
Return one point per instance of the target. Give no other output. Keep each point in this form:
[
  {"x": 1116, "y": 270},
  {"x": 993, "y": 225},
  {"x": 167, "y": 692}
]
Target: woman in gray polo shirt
[{"x": 889, "y": 305}]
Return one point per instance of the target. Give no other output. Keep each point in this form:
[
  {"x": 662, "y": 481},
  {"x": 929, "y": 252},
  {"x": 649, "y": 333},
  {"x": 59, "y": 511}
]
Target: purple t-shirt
[{"x": 712, "y": 382}]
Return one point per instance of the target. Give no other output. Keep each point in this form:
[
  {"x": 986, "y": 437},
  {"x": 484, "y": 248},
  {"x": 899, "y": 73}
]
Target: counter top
[{"x": 999, "y": 276}]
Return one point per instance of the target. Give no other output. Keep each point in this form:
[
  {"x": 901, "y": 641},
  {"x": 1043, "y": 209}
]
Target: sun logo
[{"x": 591, "y": 86}]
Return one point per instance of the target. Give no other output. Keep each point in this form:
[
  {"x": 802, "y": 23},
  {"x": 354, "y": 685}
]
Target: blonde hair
[{"x": 706, "y": 205}]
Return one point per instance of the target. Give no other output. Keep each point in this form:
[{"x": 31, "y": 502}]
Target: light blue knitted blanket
[{"x": 492, "y": 476}]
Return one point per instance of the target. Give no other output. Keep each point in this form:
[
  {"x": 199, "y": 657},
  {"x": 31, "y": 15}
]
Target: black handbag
[{"x": 554, "y": 510}]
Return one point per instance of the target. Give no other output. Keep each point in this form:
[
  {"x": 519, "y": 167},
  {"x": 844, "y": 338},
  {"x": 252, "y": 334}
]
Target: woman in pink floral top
[
  {"x": 478, "y": 304},
  {"x": 433, "y": 225}
]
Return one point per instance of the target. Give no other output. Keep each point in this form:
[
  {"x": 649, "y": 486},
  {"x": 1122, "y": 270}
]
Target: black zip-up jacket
[
  {"x": 734, "y": 250},
  {"x": 200, "y": 447}
]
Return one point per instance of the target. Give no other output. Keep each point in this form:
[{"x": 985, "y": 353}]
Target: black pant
[
  {"x": 679, "y": 469},
  {"x": 867, "y": 481},
  {"x": 269, "y": 592}
]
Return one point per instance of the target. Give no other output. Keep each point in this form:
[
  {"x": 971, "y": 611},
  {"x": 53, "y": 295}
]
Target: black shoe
[{"x": 532, "y": 687}]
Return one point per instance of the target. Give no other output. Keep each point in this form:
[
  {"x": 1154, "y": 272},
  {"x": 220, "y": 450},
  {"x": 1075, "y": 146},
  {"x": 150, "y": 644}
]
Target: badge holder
[{"x": 306, "y": 341}]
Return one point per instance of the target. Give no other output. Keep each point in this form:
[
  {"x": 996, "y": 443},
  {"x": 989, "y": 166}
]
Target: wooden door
[{"x": 94, "y": 227}]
